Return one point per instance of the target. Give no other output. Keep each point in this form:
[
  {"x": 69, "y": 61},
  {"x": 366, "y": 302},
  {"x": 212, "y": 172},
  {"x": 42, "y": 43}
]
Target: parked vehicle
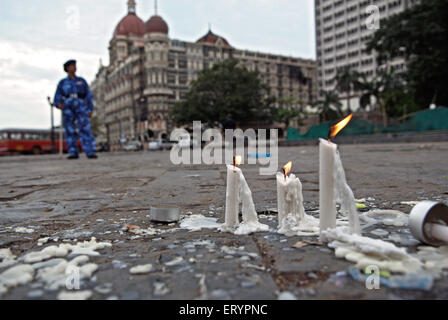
[
  {"x": 160, "y": 144},
  {"x": 133, "y": 146}
]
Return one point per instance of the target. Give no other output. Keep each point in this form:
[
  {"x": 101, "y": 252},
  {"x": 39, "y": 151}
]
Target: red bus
[{"x": 28, "y": 141}]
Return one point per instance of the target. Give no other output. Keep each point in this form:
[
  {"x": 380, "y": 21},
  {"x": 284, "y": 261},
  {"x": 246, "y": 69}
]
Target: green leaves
[
  {"x": 329, "y": 107},
  {"x": 225, "y": 89},
  {"x": 420, "y": 35}
]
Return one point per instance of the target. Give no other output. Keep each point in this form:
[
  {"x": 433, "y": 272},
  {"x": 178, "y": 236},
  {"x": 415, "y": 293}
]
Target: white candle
[
  {"x": 438, "y": 231},
  {"x": 327, "y": 203},
  {"x": 289, "y": 201},
  {"x": 232, "y": 197},
  {"x": 238, "y": 192}
]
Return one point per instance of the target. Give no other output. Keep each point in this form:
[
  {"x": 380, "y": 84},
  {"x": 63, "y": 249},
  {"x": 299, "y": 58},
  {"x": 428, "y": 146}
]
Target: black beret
[{"x": 68, "y": 63}]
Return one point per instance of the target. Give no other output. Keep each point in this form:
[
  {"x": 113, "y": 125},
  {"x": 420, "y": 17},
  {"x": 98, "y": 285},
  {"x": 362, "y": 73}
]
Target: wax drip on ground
[
  {"x": 426, "y": 264},
  {"x": 387, "y": 217},
  {"x": 197, "y": 222},
  {"x": 49, "y": 267}
]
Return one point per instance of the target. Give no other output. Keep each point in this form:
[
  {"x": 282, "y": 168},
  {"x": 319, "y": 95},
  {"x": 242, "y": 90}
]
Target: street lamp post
[
  {"x": 142, "y": 113},
  {"x": 53, "y": 147}
]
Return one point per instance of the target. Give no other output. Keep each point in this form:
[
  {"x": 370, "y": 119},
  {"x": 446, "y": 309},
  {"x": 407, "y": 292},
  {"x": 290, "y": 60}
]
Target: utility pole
[{"x": 53, "y": 147}]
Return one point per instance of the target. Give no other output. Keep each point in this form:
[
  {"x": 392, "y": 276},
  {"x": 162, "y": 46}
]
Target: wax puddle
[
  {"x": 248, "y": 227},
  {"x": 49, "y": 266},
  {"x": 409, "y": 271},
  {"x": 387, "y": 217},
  {"x": 197, "y": 222},
  {"x": 7, "y": 258},
  {"x": 143, "y": 232},
  {"x": 307, "y": 226},
  {"x": 74, "y": 296}
]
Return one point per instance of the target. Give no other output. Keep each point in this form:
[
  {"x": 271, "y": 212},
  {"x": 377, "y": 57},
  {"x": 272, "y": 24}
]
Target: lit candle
[
  {"x": 332, "y": 182},
  {"x": 289, "y": 200},
  {"x": 237, "y": 192}
]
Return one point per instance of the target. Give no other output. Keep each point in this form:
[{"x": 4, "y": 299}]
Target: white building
[{"x": 343, "y": 27}]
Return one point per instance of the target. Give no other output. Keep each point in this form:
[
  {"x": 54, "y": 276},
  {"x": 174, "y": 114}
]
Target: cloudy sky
[{"x": 37, "y": 37}]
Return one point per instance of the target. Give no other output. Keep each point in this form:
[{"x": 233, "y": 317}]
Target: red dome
[
  {"x": 156, "y": 24},
  {"x": 212, "y": 38},
  {"x": 130, "y": 25}
]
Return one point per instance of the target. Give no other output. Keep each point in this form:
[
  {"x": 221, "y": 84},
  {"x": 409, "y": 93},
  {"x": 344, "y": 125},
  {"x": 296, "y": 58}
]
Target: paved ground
[{"x": 67, "y": 200}]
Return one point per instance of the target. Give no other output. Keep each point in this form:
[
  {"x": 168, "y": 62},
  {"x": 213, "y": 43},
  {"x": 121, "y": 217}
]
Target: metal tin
[
  {"x": 166, "y": 215},
  {"x": 427, "y": 212}
]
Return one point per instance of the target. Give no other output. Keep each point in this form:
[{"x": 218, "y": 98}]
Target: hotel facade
[{"x": 149, "y": 72}]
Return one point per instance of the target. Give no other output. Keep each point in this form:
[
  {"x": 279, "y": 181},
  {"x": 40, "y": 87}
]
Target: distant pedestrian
[
  {"x": 74, "y": 98},
  {"x": 229, "y": 123}
]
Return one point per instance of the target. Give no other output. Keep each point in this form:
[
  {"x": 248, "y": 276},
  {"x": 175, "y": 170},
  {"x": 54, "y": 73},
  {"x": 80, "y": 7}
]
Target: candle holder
[
  {"x": 164, "y": 215},
  {"x": 424, "y": 216}
]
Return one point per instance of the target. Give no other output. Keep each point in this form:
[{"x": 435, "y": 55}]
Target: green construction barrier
[{"x": 426, "y": 120}]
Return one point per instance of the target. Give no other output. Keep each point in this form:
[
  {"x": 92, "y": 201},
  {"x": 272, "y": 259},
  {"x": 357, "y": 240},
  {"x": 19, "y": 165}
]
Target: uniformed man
[{"x": 74, "y": 98}]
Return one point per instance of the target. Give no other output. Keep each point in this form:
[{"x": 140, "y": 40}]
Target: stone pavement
[{"x": 70, "y": 201}]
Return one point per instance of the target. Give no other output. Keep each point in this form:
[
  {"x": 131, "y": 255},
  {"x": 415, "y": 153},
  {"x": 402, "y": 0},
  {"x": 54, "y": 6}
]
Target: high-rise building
[
  {"x": 343, "y": 27},
  {"x": 149, "y": 72}
]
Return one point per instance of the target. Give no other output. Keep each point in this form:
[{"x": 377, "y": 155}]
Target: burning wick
[
  {"x": 334, "y": 130},
  {"x": 286, "y": 169},
  {"x": 236, "y": 161}
]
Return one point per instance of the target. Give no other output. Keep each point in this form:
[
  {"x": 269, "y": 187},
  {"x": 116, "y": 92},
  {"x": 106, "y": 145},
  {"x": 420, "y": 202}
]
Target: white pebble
[{"x": 143, "y": 269}]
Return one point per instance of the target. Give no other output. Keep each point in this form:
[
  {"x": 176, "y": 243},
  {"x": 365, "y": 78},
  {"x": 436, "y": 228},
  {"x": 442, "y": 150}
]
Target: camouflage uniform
[{"x": 77, "y": 100}]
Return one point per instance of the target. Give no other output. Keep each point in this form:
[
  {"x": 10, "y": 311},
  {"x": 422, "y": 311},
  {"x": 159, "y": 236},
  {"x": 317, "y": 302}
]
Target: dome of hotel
[
  {"x": 156, "y": 25},
  {"x": 212, "y": 38},
  {"x": 130, "y": 25}
]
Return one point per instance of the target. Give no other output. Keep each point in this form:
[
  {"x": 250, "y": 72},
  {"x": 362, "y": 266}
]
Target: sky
[{"x": 37, "y": 37}]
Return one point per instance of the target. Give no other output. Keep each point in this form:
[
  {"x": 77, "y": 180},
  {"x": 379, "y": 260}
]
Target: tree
[
  {"x": 418, "y": 34},
  {"x": 96, "y": 124},
  {"x": 385, "y": 88},
  {"x": 225, "y": 89},
  {"x": 329, "y": 107},
  {"x": 346, "y": 80},
  {"x": 290, "y": 109}
]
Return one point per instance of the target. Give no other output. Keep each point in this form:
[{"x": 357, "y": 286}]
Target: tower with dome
[{"x": 149, "y": 72}]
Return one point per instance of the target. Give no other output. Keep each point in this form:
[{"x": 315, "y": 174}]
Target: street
[{"x": 71, "y": 201}]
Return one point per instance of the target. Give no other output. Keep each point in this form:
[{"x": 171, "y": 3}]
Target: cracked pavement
[{"x": 71, "y": 201}]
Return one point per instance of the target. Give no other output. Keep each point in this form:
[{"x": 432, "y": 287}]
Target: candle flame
[
  {"x": 286, "y": 169},
  {"x": 237, "y": 161},
  {"x": 334, "y": 130}
]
